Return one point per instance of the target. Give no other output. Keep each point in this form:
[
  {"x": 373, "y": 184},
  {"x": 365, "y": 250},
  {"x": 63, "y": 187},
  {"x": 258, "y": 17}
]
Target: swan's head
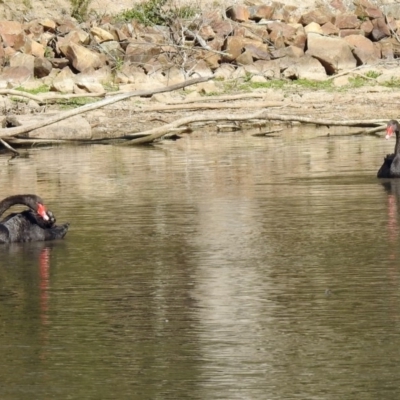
[
  {"x": 42, "y": 211},
  {"x": 392, "y": 127}
]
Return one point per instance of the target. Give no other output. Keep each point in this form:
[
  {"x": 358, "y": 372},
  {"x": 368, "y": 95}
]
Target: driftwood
[
  {"x": 46, "y": 98},
  {"x": 232, "y": 97},
  {"x": 156, "y": 133},
  {"x": 186, "y": 123},
  {"x": 213, "y": 106},
  {"x": 9, "y": 132}
]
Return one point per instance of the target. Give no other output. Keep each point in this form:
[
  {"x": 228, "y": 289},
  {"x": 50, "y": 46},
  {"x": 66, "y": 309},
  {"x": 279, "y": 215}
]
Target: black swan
[
  {"x": 391, "y": 163},
  {"x": 36, "y": 224}
]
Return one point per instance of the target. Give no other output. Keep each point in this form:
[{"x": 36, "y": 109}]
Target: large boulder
[
  {"x": 306, "y": 67},
  {"x": 238, "y": 13},
  {"x": 23, "y": 60},
  {"x": 76, "y": 127},
  {"x": 80, "y": 57},
  {"x": 333, "y": 53},
  {"x": 15, "y": 76},
  {"x": 232, "y": 47},
  {"x": 363, "y": 49},
  {"x": 319, "y": 15},
  {"x": 380, "y": 29},
  {"x": 42, "y": 67},
  {"x": 64, "y": 82}
]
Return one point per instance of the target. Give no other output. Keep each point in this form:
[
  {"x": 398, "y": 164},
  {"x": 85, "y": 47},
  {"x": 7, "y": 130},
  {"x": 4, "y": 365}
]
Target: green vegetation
[
  {"x": 393, "y": 83},
  {"x": 27, "y": 4},
  {"x": 157, "y": 12},
  {"x": 40, "y": 89},
  {"x": 80, "y": 9},
  {"x": 245, "y": 84},
  {"x": 281, "y": 84},
  {"x": 373, "y": 74},
  {"x": 75, "y": 102}
]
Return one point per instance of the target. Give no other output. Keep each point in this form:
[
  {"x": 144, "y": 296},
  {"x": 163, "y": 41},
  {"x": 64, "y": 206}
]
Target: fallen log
[
  {"x": 156, "y": 133},
  {"x": 10, "y": 132},
  {"x": 46, "y": 98}
]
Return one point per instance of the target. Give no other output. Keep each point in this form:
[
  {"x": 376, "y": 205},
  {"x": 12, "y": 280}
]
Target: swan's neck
[
  {"x": 397, "y": 146},
  {"x": 26, "y": 200}
]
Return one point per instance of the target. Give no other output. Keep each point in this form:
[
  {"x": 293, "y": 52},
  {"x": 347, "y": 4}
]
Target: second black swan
[
  {"x": 35, "y": 224},
  {"x": 391, "y": 163}
]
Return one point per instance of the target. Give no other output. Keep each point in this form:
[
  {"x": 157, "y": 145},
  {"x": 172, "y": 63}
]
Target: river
[{"x": 219, "y": 266}]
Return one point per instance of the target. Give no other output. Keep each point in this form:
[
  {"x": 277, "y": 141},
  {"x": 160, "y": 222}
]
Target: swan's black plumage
[
  {"x": 391, "y": 163},
  {"x": 36, "y": 224}
]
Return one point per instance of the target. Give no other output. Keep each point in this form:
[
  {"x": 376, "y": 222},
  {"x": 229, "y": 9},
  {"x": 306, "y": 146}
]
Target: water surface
[{"x": 216, "y": 267}]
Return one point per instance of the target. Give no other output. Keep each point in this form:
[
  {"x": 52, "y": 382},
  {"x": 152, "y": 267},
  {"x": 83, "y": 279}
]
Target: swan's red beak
[
  {"x": 41, "y": 210},
  {"x": 389, "y": 131}
]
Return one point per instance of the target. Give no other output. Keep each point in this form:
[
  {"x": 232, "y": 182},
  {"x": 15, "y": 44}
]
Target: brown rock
[
  {"x": 76, "y": 127},
  {"x": 9, "y": 52},
  {"x": 130, "y": 74},
  {"x": 42, "y": 67},
  {"x": 366, "y": 27},
  {"x": 88, "y": 85},
  {"x": 387, "y": 48},
  {"x": 334, "y": 53},
  {"x": 244, "y": 59},
  {"x": 233, "y": 47},
  {"x": 365, "y": 9},
  {"x": 299, "y": 40},
  {"x": 319, "y": 15},
  {"x": 347, "y": 21},
  {"x": 206, "y": 32},
  {"x": 59, "y": 63},
  {"x": 48, "y": 24},
  {"x": 306, "y": 67},
  {"x": 338, "y": 4},
  {"x": 281, "y": 34},
  {"x": 36, "y": 30},
  {"x": 10, "y": 28},
  {"x": 268, "y": 69},
  {"x": 290, "y": 51},
  {"x": 258, "y": 51},
  {"x": 201, "y": 69},
  {"x": 285, "y": 13},
  {"x": 238, "y": 13},
  {"x": 140, "y": 53},
  {"x": 222, "y": 28},
  {"x": 256, "y": 32},
  {"x": 16, "y": 41},
  {"x": 261, "y": 12},
  {"x": 45, "y": 38},
  {"x": 78, "y": 36},
  {"x": 15, "y": 75},
  {"x": 66, "y": 26},
  {"x": 80, "y": 57},
  {"x": 224, "y": 72},
  {"x": 212, "y": 60},
  {"x": 101, "y": 35},
  {"x": 330, "y": 29},
  {"x": 348, "y": 32},
  {"x": 363, "y": 49},
  {"x": 313, "y": 27},
  {"x": 113, "y": 49},
  {"x": 23, "y": 60},
  {"x": 392, "y": 23},
  {"x": 118, "y": 34},
  {"x": 380, "y": 29},
  {"x": 64, "y": 82},
  {"x": 33, "y": 47}
]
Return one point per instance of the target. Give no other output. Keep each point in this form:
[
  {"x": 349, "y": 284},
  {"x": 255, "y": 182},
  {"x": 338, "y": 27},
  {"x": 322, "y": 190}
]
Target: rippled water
[{"x": 216, "y": 267}]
